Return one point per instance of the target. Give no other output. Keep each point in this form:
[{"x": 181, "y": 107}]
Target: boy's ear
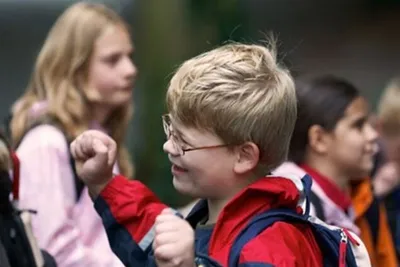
[
  {"x": 247, "y": 159},
  {"x": 318, "y": 139}
]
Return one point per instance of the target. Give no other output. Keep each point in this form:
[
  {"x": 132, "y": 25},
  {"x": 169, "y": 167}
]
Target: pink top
[{"x": 71, "y": 231}]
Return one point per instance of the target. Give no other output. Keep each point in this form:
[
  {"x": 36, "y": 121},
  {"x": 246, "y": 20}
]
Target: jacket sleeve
[
  {"x": 386, "y": 254},
  {"x": 128, "y": 210},
  {"x": 283, "y": 245}
]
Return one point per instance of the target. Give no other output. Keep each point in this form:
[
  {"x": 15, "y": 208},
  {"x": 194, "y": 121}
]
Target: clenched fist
[
  {"x": 95, "y": 154},
  {"x": 174, "y": 241}
]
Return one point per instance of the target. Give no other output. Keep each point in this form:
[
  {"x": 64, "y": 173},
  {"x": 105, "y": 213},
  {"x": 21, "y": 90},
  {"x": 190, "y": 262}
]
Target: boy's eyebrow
[
  {"x": 185, "y": 138},
  {"x": 181, "y": 134}
]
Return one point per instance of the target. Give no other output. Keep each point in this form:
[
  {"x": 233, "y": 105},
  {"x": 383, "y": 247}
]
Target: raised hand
[{"x": 95, "y": 154}]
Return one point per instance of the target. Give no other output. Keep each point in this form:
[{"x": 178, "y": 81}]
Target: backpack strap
[
  {"x": 312, "y": 198},
  {"x": 317, "y": 204},
  {"x": 79, "y": 185},
  {"x": 264, "y": 220},
  {"x": 333, "y": 243},
  {"x": 257, "y": 225}
]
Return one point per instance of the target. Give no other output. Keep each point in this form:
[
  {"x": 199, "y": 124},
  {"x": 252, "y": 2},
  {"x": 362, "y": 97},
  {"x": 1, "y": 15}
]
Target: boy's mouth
[{"x": 177, "y": 169}]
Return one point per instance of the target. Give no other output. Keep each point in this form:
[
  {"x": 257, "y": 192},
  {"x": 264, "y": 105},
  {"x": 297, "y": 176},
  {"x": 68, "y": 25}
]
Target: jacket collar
[{"x": 266, "y": 193}]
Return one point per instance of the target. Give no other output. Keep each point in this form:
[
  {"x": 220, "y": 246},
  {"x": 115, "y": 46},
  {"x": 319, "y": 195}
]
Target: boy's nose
[{"x": 169, "y": 148}]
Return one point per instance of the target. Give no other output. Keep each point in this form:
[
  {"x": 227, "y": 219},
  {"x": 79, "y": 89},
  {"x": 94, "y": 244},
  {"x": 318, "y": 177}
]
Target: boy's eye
[{"x": 183, "y": 143}]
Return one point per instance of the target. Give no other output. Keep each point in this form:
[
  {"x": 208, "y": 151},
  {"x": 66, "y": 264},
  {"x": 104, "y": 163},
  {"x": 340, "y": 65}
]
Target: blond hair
[
  {"x": 389, "y": 109},
  {"x": 240, "y": 93},
  {"x": 60, "y": 76}
]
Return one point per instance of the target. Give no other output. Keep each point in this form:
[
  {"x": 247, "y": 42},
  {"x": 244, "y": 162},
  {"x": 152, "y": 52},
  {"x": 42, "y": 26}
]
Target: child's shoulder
[
  {"x": 285, "y": 243},
  {"x": 43, "y": 136},
  {"x": 289, "y": 168}
]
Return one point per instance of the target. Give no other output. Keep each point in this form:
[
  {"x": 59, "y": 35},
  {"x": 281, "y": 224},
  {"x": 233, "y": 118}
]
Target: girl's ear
[{"x": 318, "y": 139}]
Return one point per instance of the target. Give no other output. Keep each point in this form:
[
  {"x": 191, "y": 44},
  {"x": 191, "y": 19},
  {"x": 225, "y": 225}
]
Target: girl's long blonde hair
[{"x": 60, "y": 74}]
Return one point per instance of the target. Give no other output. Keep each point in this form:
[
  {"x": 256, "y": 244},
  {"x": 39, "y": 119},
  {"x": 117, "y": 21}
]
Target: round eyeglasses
[{"x": 177, "y": 141}]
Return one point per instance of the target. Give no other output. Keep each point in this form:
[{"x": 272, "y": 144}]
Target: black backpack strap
[
  {"x": 316, "y": 202},
  {"x": 79, "y": 185},
  {"x": 373, "y": 217}
]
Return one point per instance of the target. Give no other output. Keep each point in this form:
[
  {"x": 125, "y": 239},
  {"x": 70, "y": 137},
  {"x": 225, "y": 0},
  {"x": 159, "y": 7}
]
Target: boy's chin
[{"x": 184, "y": 188}]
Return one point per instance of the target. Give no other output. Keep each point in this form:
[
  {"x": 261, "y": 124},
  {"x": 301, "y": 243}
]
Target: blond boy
[{"x": 231, "y": 113}]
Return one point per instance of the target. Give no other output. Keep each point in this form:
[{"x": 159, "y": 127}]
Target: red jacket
[{"x": 128, "y": 210}]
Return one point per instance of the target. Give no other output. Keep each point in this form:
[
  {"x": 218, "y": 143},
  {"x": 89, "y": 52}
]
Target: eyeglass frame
[{"x": 166, "y": 119}]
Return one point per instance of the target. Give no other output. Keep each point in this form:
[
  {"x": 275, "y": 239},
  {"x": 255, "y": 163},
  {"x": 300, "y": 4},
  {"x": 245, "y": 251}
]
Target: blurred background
[{"x": 356, "y": 39}]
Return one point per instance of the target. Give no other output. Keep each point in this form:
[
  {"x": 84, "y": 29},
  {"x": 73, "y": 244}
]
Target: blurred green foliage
[{"x": 166, "y": 33}]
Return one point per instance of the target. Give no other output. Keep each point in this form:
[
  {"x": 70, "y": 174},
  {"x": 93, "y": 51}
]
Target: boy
[{"x": 231, "y": 115}]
